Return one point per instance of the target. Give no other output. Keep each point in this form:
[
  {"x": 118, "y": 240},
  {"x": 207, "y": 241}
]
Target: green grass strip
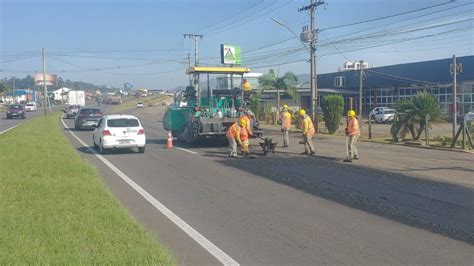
[{"x": 55, "y": 210}]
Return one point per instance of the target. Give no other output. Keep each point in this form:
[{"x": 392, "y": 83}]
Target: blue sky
[{"x": 141, "y": 42}]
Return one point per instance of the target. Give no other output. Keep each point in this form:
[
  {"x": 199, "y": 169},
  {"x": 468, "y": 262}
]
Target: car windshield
[
  {"x": 15, "y": 106},
  {"x": 90, "y": 112},
  {"x": 123, "y": 122},
  {"x": 389, "y": 111},
  {"x": 30, "y": 104}
]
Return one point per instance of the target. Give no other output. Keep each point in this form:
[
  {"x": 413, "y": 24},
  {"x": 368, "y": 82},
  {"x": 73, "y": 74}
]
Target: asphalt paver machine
[{"x": 206, "y": 113}]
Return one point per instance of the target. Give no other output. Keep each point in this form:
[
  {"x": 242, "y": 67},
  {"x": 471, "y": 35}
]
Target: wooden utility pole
[
  {"x": 313, "y": 38},
  {"x": 361, "y": 86},
  {"x": 45, "y": 89},
  {"x": 196, "y": 38},
  {"x": 454, "y": 71}
]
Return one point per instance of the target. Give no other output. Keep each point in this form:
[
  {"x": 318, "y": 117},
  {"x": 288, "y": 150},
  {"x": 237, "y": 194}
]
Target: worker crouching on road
[
  {"x": 285, "y": 119},
  {"x": 352, "y": 133},
  {"x": 308, "y": 132},
  {"x": 244, "y": 137},
  {"x": 233, "y": 135},
  {"x": 247, "y": 116}
]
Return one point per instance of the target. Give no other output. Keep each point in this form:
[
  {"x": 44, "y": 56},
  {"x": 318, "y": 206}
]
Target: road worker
[
  {"x": 308, "y": 131},
  {"x": 352, "y": 133},
  {"x": 244, "y": 137},
  {"x": 233, "y": 135},
  {"x": 285, "y": 119},
  {"x": 247, "y": 115}
]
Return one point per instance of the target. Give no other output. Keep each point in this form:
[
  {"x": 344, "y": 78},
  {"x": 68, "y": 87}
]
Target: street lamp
[{"x": 289, "y": 29}]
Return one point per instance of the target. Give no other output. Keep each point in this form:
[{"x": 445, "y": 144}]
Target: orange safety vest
[
  {"x": 247, "y": 119},
  {"x": 353, "y": 127},
  {"x": 233, "y": 131},
  {"x": 307, "y": 125},
  {"x": 244, "y": 134},
  {"x": 285, "y": 120}
]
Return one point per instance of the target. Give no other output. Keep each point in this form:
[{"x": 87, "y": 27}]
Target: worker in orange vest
[
  {"x": 308, "y": 132},
  {"x": 233, "y": 135},
  {"x": 285, "y": 119},
  {"x": 352, "y": 133},
  {"x": 244, "y": 137},
  {"x": 247, "y": 115}
]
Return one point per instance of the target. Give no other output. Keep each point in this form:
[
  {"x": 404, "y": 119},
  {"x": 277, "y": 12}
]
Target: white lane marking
[
  {"x": 190, "y": 231},
  {"x": 8, "y": 129},
  {"x": 186, "y": 150}
]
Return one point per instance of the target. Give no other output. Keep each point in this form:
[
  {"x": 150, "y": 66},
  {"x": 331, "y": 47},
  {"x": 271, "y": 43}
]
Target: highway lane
[
  {"x": 257, "y": 211},
  {"x": 8, "y": 123}
]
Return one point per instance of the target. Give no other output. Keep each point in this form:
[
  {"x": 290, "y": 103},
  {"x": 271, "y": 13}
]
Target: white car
[
  {"x": 119, "y": 131},
  {"x": 140, "y": 105},
  {"x": 31, "y": 107},
  {"x": 384, "y": 115}
]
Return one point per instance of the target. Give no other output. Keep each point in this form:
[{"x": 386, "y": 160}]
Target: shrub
[{"x": 333, "y": 107}]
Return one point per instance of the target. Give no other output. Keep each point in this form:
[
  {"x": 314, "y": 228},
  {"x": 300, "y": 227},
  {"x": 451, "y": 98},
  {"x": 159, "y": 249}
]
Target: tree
[
  {"x": 412, "y": 113},
  {"x": 333, "y": 107},
  {"x": 4, "y": 88},
  {"x": 286, "y": 83}
]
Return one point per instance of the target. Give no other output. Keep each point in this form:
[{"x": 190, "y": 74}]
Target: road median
[{"x": 55, "y": 209}]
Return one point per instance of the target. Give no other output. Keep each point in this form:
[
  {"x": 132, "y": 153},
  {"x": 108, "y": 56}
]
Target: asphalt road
[
  {"x": 8, "y": 123},
  {"x": 397, "y": 205}
]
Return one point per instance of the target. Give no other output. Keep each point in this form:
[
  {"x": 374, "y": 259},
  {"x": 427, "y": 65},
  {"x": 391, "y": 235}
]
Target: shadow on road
[{"x": 442, "y": 208}]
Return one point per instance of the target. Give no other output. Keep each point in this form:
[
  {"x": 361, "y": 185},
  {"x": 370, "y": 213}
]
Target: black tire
[
  {"x": 23, "y": 117},
  {"x": 141, "y": 149},
  {"x": 96, "y": 147},
  {"x": 77, "y": 128}
]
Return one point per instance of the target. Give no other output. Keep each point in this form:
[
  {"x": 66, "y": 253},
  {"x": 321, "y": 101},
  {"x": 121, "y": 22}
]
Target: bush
[{"x": 333, "y": 107}]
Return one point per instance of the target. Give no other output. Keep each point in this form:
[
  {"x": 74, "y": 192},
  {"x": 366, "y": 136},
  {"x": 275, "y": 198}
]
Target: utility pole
[
  {"x": 14, "y": 89},
  {"x": 45, "y": 89},
  {"x": 361, "y": 86},
  {"x": 196, "y": 38},
  {"x": 188, "y": 60},
  {"x": 312, "y": 43},
  {"x": 454, "y": 68}
]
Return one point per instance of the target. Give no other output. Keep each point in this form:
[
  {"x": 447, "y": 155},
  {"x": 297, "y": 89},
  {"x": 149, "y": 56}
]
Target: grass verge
[
  {"x": 154, "y": 100},
  {"x": 55, "y": 210}
]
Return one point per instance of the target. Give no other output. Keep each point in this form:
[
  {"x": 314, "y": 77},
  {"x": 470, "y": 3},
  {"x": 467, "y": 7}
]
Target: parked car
[
  {"x": 31, "y": 107},
  {"x": 119, "y": 131},
  {"x": 140, "y": 105},
  {"x": 384, "y": 115},
  {"x": 72, "y": 111},
  {"x": 87, "y": 118},
  {"x": 16, "y": 111}
]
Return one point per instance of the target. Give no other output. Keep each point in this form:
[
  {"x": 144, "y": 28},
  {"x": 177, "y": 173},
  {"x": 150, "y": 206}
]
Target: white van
[
  {"x": 31, "y": 107},
  {"x": 384, "y": 115}
]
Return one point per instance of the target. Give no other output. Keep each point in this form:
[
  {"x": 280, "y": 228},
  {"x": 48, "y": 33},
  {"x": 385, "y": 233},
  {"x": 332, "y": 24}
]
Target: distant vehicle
[
  {"x": 31, "y": 107},
  {"x": 384, "y": 115},
  {"x": 87, "y": 118},
  {"x": 119, "y": 131},
  {"x": 77, "y": 98},
  {"x": 72, "y": 111},
  {"x": 116, "y": 99},
  {"x": 16, "y": 111},
  {"x": 140, "y": 105}
]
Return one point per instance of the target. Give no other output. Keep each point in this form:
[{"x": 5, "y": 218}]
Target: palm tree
[
  {"x": 413, "y": 112},
  {"x": 286, "y": 83}
]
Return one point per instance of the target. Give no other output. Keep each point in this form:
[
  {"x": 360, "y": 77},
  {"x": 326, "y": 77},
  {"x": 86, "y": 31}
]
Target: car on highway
[
  {"x": 31, "y": 107},
  {"x": 140, "y": 105},
  {"x": 119, "y": 131},
  {"x": 72, "y": 111},
  {"x": 87, "y": 118},
  {"x": 16, "y": 111}
]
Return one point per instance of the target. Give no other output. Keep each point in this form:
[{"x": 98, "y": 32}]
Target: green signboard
[{"x": 231, "y": 55}]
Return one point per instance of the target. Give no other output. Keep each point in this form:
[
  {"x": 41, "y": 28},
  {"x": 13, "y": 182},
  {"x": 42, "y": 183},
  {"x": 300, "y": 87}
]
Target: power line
[{"x": 390, "y": 16}]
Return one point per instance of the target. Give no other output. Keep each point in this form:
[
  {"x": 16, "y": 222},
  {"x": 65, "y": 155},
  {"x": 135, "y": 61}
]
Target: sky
[{"x": 112, "y": 42}]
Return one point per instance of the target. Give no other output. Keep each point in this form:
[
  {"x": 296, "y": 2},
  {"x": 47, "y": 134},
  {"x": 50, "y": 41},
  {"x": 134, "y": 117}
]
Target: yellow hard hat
[
  {"x": 302, "y": 112},
  {"x": 351, "y": 113},
  {"x": 285, "y": 106},
  {"x": 243, "y": 122}
]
